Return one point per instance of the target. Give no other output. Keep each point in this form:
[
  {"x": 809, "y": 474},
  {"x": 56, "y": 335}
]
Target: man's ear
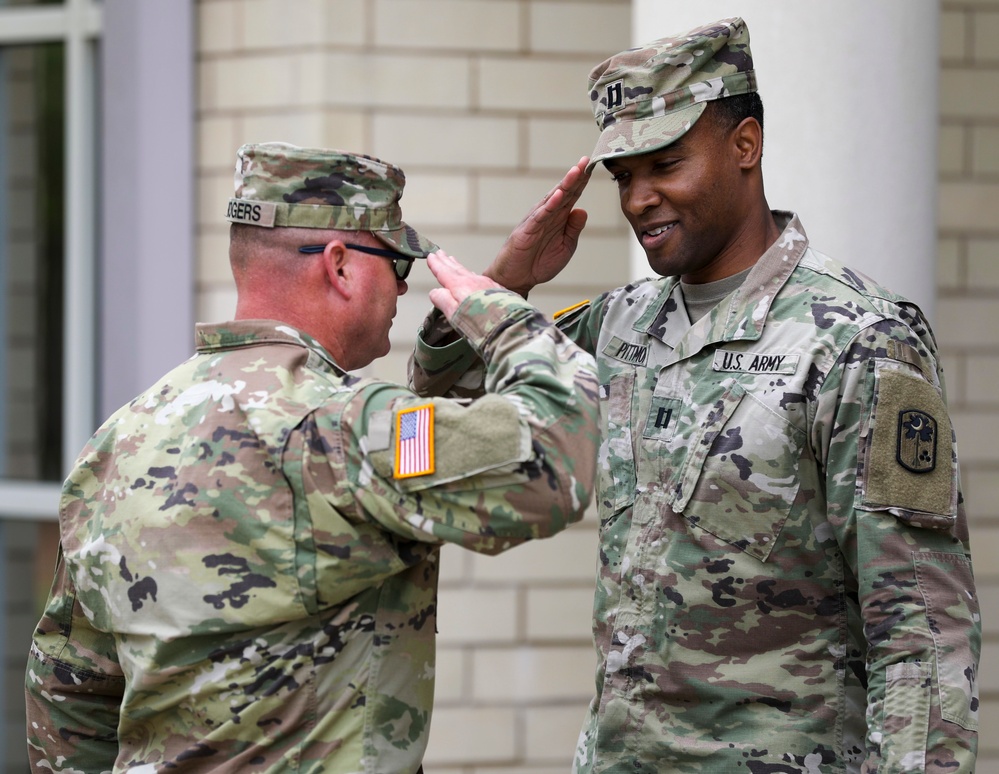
[
  {"x": 336, "y": 264},
  {"x": 748, "y": 142}
]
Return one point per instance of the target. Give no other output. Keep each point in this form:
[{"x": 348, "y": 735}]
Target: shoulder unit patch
[
  {"x": 916, "y": 449},
  {"x": 909, "y": 464}
]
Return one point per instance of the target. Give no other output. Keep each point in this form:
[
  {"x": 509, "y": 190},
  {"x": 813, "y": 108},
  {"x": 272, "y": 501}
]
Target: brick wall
[
  {"x": 968, "y": 306},
  {"x": 484, "y": 106}
]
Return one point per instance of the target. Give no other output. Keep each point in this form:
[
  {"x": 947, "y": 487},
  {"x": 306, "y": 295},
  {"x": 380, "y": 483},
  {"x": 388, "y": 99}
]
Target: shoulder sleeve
[
  {"x": 909, "y": 464},
  {"x": 73, "y": 688},
  {"x": 895, "y": 505},
  {"x": 515, "y": 464}
]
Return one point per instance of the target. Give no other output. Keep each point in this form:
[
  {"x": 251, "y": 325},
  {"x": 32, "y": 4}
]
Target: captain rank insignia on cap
[
  {"x": 615, "y": 95},
  {"x": 414, "y": 442}
]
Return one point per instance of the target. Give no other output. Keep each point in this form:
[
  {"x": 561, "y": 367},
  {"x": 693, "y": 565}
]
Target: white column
[
  {"x": 147, "y": 195},
  {"x": 850, "y": 96}
]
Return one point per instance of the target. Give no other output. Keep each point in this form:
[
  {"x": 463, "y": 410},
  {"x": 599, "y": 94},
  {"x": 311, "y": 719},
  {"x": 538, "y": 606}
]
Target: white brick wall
[
  {"x": 455, "y": 25},
  {"x": 968, "y": 306}
]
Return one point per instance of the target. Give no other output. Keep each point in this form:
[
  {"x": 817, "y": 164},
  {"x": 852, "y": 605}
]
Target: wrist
[{"x": 499, "y": 279}]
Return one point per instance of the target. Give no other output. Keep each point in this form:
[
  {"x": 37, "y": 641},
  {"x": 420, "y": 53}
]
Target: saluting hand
[{"x": 457, "y": 282}]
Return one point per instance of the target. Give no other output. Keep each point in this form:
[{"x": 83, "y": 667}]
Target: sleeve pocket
[
  {"x": 948, "y": 590},
  {"x": 906, "y": 716}
]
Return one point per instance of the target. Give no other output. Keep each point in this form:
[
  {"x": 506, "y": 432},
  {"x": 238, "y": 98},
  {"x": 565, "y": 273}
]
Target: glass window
[
  {"x": 32, "y": 149},
  {"x": 50, "y": 92},
  {"x": 32, "y": 96}
]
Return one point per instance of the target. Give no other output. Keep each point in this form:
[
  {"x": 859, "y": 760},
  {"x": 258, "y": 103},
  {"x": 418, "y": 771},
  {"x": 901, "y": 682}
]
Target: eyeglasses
[{"x": 402, "y": 264}]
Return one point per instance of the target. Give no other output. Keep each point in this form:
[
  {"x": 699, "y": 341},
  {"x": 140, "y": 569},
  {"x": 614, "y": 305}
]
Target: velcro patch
[
  {"x": 379, "y": 435},
  {"x": 754, "y": 362},
  {"x": 481, "y": 444},
  {"x": 614, "y": 95},
  {"x": 663, "y": 415},
  {"x": 909, "y": 460},
  {"x": 254, "y": 213},
  {"x": 414, "y": 442},
  {"x": 627, "y": 352}
]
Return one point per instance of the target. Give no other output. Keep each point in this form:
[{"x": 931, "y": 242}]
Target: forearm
[
  {"x": 445, "y": 364},
  {"x": 517, "y": 464},
  {"x": 923, "y": 627}
]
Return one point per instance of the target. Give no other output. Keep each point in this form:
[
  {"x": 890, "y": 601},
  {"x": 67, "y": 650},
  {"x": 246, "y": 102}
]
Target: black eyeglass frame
[{"x": 402, "y": 264}]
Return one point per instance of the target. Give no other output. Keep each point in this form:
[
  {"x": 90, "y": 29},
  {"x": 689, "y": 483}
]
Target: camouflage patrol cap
[
  {"x": 647, "y": 97},
  {"x": 278, "y": 184}
]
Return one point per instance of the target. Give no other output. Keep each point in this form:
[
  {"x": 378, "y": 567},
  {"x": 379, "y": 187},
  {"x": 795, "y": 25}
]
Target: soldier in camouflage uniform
[
  {"x": 784, "y": 578},
  {"x": 249, "y": 549}
]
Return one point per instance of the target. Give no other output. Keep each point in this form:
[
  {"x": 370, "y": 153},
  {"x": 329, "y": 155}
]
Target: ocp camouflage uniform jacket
[
  {"x": 244, "y": 585},
  {"x": 784, "y": 576}
]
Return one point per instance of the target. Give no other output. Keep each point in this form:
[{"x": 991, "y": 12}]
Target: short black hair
[{"x": 729, "y": 112}]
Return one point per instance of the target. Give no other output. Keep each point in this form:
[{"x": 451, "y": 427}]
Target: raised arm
[
  {"x": 536, "y": 251},
  {"x": 514, "y": 464}
]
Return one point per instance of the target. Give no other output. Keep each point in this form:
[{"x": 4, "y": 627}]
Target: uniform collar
[
  {"x": 739, "y": 316},
  {"x": 235, "y": 334}
]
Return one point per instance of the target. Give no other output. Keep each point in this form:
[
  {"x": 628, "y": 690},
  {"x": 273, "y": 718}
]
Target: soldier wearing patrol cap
[
  {"x": 249, "y": 549},
  {"x": 784, "y": 579}
]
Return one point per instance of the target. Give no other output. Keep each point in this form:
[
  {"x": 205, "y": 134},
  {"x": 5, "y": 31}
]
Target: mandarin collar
[{"x": 739, "y": 316}]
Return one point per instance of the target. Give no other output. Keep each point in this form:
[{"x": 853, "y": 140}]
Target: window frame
[{"x": 76, "y": 24}]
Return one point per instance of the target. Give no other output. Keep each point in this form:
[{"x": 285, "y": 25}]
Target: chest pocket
[
  {"x": 616, "y": 458},
  {"x": 740, "y": 479}
]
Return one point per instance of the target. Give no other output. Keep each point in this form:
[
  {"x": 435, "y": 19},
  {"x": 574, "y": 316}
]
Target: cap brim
[
  {"x": 643, "y": 135},
  {"x": 407, "y": 241}
]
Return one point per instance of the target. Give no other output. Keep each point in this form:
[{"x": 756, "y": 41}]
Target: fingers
[
  {"x": 574, "y": 182},
  {"x": 457, "y": 282},
  {"x": 445, "y": 267},
  {"x": 575, "y": 225},
  {"x": 566, "y": 193},
  {"x": 569, "y": 179},
  {"x": 443, "y": 300}
]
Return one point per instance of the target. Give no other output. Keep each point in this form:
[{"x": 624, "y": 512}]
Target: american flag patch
[{"x": 414, "y": 442}]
